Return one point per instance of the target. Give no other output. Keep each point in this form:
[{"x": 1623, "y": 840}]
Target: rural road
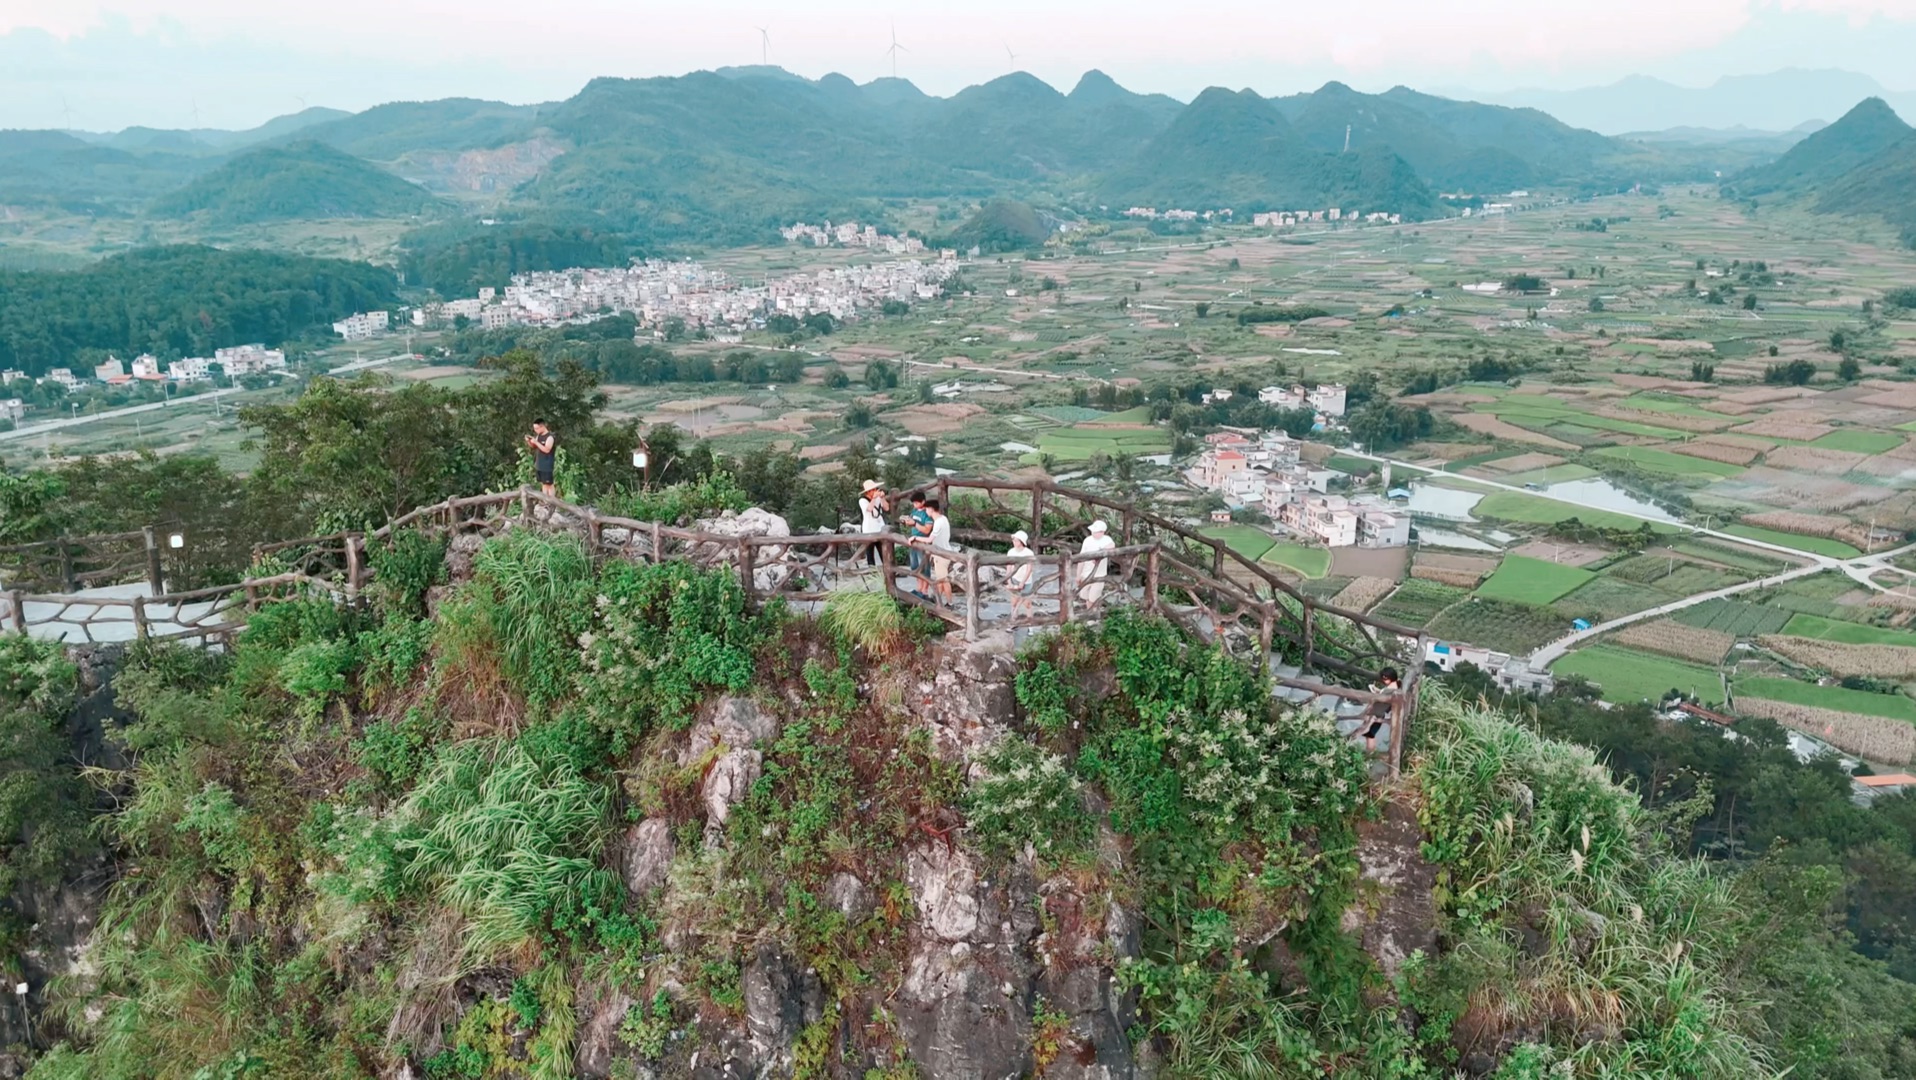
[{"x": 1858, "y": 569}]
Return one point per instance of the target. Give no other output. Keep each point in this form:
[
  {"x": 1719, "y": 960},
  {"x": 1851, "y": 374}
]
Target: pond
[
  {"x": 1604, "y": 495},
  {"x": 1443, "y": 502}
]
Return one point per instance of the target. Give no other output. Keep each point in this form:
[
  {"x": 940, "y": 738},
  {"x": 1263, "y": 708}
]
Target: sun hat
[
  {"x": 1099, "y": 526},
  {"x": 1021, "y": 536},
  {"x": 871, "y": 485}
]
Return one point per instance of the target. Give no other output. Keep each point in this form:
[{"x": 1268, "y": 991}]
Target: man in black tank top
[{"x": 544, "y": 445}]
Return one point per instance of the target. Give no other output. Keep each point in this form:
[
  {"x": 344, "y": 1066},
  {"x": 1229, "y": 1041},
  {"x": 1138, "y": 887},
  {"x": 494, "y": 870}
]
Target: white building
[
  {"x": 251, "y": 359},
  {"x": 1510, "y": 672},
  {"x": 190, "y": 369},
  {"x": 361, "y": 326},
  {"x": 496, "y": 317},
  {"x": 13, "y": 409},
  {"x": 147, "y": 367},
  {"x": 63, "y": 377},
  {"x": 1383, "y": 528},
  {"x": 12, "y": 375},
  {"x": 111, "y": 371},
  {"x": 1327, "y": 398}
]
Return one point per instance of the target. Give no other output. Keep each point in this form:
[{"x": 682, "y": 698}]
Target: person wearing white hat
[
  {"x": 1019, "y": 583},
  {"x": 872, "y": 508},
  {"x": 1091, "y": 574}
]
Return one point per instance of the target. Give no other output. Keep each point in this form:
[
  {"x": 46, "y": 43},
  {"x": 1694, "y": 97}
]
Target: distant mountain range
[
  {"x": 1778, "y": 101},
  {"x": 1864, "y": 163},
  {"x": 726, "y": 156}
]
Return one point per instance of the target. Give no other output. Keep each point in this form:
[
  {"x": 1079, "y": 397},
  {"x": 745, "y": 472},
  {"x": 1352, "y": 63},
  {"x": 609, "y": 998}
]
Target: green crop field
[
  {"x": 1309, "y": 561},
  {"x": 1857, "y": 441},
  {"x": 1247, "y": 540},
  {"x": 1664, "y": 461},
  {"x": 1607, "y": 598},
  {"x": 1524, "y": 580},
  {"x": 1820, "y": 545},
  {"x": 1516, "y": 628},
  {"x": 1628, "y": 676},
  {"x": 1416, "y": 602},
  {"x": 1892, "y": 706},
  {"x": 1734, "y": 617},
  {"x": 1847, "y": 633},
  {"x": 1539, "y": 510},
  {"x": 1741, "y": 558}
]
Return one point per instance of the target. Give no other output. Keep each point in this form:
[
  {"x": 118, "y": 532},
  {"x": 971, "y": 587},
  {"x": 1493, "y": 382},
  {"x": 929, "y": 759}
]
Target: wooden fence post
[
  {"x": 1129, "y": 520},
  {"x": 658, "y": 555},
  {"x": 1037, "y": 511},
  {"x": 17, "y": 602},
  {"x": 972, "y": 597},
  {"x": 353, "y": 568},
  {"x": 155, "y": 576},
  {"x": 745, "y": 572},
  {"x": 140, "y": 630},
  {"x": 1151, "y": 579},
  {"x": 1309, "y": 633},
  {"x": 66, "y": 566},
  {"x": 1266, "y": 627},
  {"x": 593, "y": 531},
  {"x": 1066, "y": 587},
  {"x": 1217, "y": 559}
]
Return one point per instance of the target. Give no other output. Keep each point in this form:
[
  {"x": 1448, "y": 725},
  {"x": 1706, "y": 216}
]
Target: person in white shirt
[
  {"x": 872, "y": 508},
  {"x": 1091, "y": 573},
  {"x": 939, "y": 539},
  {"x": 1019, "y": 581}
]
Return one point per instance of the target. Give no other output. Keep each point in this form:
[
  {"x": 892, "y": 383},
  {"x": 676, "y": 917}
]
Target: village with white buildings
[
  {"x": 1267, "y": 472},
  {"x": 658, "y": 292},
  {"x": 851, "y": 234}
]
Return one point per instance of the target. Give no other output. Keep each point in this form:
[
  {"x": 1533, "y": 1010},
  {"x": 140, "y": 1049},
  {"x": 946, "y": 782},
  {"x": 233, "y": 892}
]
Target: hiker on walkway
[
  {"x": 916, "y": 525},
  {"x": 872, "y": 508},
  {"x": 938, "y": 550},
  {"x": 1018, "y": 583},
  {"x": 545, "y": 446},
  {"x": 1091, "y": 573},
  {"x": 1380, "y": 711}
]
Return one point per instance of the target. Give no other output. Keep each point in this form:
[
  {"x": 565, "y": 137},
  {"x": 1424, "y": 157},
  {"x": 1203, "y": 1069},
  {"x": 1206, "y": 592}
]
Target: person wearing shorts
[
  {"x": 939, "y": 540},
  {"x": 872, "y": 506},
  {"x": 544, "y": 445},
  {"x": 1380, "y": 711},
  {"x": 917, "y": 526}
]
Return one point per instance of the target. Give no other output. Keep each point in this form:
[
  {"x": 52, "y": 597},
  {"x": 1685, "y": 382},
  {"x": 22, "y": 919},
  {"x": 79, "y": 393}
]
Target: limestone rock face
[
  {"x": 645, "y": 855},
  {"x": 973, "y": 694},
  {"x": 598, "y": 1045},
  {"x": 726, "y": 785},
  {"x": 1394, "y": 913},
  {"x": 943, "y": 888},
  {"x": 736, "y": 723},
  {"x": 769, "y": 566}
]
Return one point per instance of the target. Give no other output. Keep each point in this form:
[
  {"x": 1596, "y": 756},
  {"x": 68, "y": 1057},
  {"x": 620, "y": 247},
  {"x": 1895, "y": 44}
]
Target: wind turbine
[
  {"x": 895, "y": 50},
  {"x": 1011, "y": 58},
  {"x": 764, "y": 46},
  {"x": 67, "y": 112}
]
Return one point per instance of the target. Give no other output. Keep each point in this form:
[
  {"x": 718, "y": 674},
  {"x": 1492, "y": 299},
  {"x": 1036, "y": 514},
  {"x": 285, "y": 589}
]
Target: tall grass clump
[
  {"x": 508, "y": 841},
  {"x": 868, "y": 620},
  {"x": 1572, "y": 923},
  {"x": 529, "y": 602}
]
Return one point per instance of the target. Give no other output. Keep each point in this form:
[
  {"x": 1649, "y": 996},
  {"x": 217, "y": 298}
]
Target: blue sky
[{"x": 235, "y": 63}]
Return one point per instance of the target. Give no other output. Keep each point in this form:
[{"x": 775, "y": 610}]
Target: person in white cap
[
  {"x": 872, "y": 508},
  {"x": 1019, "y": 583},
  {"x": 1091, "y": 573}
]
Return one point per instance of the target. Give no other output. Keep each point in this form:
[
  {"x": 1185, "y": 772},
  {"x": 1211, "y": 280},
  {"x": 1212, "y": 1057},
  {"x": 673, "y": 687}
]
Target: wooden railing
[{"x": 1157, "y": 565}]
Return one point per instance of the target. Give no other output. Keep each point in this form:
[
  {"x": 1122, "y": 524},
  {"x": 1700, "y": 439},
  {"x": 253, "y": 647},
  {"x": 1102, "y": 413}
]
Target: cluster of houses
[
  {"x": 146, "y": 368},
  {"x": 1510, "y": 672},
  {"x": 1268, "y": 472},
  {"x": 1152, "y": 213},
  {"x": 363, "y": 325},
  {"x": 1279, "y": 219},
  {"x": 851, "y": 234},
  {"x": 699, "y": 298}
]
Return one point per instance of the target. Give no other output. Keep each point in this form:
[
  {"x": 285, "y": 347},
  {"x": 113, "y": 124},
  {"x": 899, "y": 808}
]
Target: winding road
[{"x": 1860, "y": 570}]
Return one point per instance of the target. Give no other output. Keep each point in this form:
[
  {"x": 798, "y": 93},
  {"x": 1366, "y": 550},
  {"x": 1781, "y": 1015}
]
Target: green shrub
[
  {"x": 404, "y": 567},
  {"x": 869, "y": 620},
  {"x": 1026, "y": 795},
  {"x": 528, "y": 605}
]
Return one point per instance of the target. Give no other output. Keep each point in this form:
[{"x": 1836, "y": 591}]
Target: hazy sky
[{"x": 105, "y": 64}]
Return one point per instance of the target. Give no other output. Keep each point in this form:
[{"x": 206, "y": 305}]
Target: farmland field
[
  {"x": 1416, "y": 602},
  {"x": 1608, "y": 598},
  {"x": 1735, "y": 617},
  {"x": 1247, "y": 540},
  {"x": 1493, "y": 624},
  {"x": 1848, "y": 633},
  {"x": 1524, "y": 580},
  {"x": 1629, "y": 676},
  {"x": 1893, "y": 706},
  {"x": 1858, "y": 442},
  {"x": 1538, "y": 510},
  {"x": 1310, "y": 561},
  {"x": 1819, "y": 545},
  {"x": 1665, "y": 461}
]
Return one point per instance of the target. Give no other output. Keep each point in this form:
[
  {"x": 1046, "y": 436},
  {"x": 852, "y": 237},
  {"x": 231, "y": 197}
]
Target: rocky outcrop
[
  {"x": 598, "y": 1047},
  {"x": 769, "y": 567},
  {"x": 1394, "y": 913},
  {"x": 971, "y": 694},
  {"x": 727, "y": 783},
  {"x": 645, "y": 856},
  {"x": 737, "y": 723}
]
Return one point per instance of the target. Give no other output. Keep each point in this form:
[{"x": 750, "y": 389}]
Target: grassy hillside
[
  {"x": 303, "y": 180},
  {"x": 1829, "y": 155}
]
